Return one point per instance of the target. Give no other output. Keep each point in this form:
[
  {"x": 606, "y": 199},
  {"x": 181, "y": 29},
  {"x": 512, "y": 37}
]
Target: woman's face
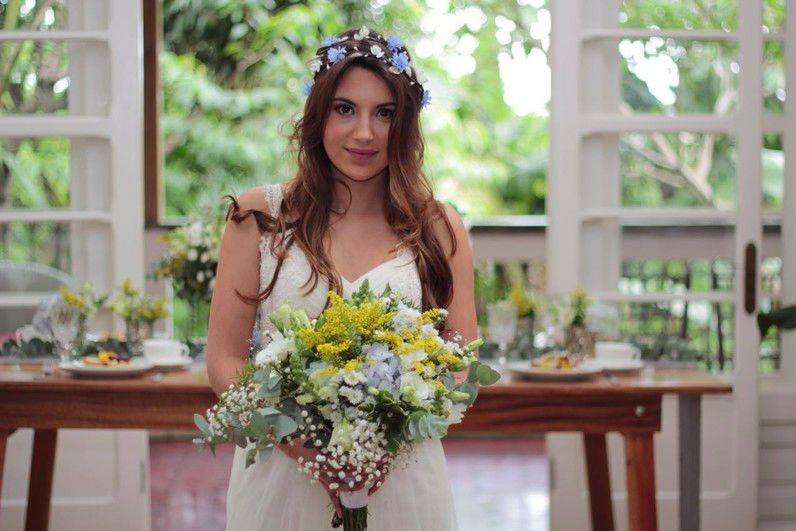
[{"x": 357, "y": 128}]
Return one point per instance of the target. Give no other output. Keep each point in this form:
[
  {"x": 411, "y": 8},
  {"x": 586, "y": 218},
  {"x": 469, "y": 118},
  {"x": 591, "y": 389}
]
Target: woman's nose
[{"x": 364, "y": 129}]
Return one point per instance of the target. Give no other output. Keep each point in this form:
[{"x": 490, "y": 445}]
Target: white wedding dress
[{"x": 275, "y": 496}]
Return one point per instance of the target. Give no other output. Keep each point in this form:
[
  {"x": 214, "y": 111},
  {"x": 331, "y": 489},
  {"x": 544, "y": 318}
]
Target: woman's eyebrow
[{"x": 354, "y": 104}]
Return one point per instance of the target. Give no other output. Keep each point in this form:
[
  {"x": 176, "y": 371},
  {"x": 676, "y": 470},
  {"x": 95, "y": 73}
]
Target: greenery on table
[{"x": 40, "y": 348}]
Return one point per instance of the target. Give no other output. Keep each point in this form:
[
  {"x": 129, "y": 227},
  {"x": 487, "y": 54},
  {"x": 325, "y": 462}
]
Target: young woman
[{"x": 359, "y": 207}]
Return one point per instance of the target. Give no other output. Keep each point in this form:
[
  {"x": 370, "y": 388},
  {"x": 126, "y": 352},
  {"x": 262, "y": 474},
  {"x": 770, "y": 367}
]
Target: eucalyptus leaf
[
  {"x": 284, "y": 426},
  {"x": 486, "y": 375},
  {"x": 201, "y": 423}
]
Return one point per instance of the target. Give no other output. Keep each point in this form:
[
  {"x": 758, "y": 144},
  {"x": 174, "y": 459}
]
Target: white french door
[
  {"x": 595, "y": 139},
  {"x": 101, "y": 477}
]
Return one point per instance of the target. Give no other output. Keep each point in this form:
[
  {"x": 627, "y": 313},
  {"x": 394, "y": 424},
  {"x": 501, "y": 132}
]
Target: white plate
[
  {"x": 619, "y": 366},
  {"x": 78, "y": 368},
  {"x": 175, "y": 363},
  {"x": 524, "y": 370}
]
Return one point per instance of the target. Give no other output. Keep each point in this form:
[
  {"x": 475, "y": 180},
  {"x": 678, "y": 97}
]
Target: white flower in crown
[
  {"x": 362, "y": 33},
  {"x": 316, "y": 64},
  {"x": 377, "y": 51}
]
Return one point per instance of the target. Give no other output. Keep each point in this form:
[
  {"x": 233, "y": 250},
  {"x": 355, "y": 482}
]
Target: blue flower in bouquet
[{"x": 383, "y": 369}]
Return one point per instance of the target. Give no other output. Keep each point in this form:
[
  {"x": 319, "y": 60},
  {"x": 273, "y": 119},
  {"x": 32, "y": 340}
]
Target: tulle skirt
[{"x": 275, "y": 496}]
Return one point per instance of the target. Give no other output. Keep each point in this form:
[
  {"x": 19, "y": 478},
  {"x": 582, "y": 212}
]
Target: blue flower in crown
[
  {"x": 394, "y": 43},
  {"x": 307, "y": 88},
  {"x": 335, "y": 54},
  {"x": 400, "y": 61},
  {"x": 328, "y": 41},
  {"x": 426, "y": 99}
]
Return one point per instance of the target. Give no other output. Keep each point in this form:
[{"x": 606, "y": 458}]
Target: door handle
[{"x": 750, "y": 278}]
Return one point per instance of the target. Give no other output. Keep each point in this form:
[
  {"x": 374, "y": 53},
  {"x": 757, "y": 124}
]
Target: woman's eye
[
  {"x": 387, "y": 113},
  {"x": 343, "y": 108}
]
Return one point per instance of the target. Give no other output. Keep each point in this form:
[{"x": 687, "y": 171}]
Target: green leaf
[
  {"x": 471, "y": 373},
  {"x": 471, "y": 389},
  {"x": 284, "y": 426},
  {"x": 486, "y": 375},
  {"x": 201, "y": 423},
  {"x": 437, "y": 426}
]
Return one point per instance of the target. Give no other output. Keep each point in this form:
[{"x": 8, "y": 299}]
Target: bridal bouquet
[{"x": 346, "y": 393}]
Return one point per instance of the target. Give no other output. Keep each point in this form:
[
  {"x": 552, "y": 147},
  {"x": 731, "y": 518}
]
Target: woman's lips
[{"x": 361, "y": 156}]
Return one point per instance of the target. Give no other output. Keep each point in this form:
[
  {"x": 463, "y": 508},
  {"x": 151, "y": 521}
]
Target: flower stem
[{"x": 355, "y": 519}]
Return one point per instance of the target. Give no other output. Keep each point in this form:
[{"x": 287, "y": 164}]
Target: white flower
[
  {"x": 316, "y": 64},
  {"x": 276, "y": 351},
  {"x": 194, "y": 233},
  {"x": 362, "y": 33},
  {"x": 406, "y": 317},
  {"x": 193, "y": 255},
  {"x": 355, "y": 396},
  {"x": 200, "y": 276},
  {"x": 354, "y": 377},
  {"x": 342, "y": 435},
  {"x": 412, "y": 380},
  {"x": 421, "y": 78},
  {"x": 408, "y": 360},
  {"x": 456, "y": 414},
  {"x": 376, "y": 51},
  {"x": 204, "y": 257}
]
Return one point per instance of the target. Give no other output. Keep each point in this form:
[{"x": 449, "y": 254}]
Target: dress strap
[{"x": 273, "y": 197}]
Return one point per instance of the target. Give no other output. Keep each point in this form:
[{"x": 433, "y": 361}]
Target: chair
[{"x": 27, "y": 278}]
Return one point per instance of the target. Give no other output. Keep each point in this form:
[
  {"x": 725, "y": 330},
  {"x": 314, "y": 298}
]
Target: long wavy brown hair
[{"x": 410, "y": 206}]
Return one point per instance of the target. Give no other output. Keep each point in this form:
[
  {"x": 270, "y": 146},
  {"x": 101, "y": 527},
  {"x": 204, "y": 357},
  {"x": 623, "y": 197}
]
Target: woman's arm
[
  {"x": 461, "y": 310},
  {"x": 232, "y": 319}
]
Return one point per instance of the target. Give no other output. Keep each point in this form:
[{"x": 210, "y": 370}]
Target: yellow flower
[
  {"x": 351, "y": 365},
  {"x": 439, "y": 385},
  {"x": 433, "y": 315},
  {"x": 330, "y": 352},
  {"x": 450, "y": 359}
]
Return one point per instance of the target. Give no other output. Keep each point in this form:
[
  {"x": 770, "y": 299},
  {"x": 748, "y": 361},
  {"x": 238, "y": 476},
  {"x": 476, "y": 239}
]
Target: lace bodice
[{"x": 400, "y": 272}]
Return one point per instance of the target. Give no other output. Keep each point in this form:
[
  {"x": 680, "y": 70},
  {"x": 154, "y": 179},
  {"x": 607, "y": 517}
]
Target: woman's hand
[{"x": 296, "y": 449}]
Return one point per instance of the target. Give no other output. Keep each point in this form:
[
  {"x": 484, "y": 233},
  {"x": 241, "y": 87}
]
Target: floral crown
[{"x": 367, "y": 43}]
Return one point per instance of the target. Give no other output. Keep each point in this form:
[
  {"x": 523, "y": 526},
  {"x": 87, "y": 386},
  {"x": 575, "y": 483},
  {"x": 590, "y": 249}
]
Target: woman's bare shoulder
[
  {"x": 255, "y": 198},
  {"x": 460, "y": 235}
]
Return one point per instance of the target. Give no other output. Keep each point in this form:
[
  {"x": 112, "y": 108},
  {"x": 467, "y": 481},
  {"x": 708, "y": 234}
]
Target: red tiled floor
[{"x": 497, "y": 484}]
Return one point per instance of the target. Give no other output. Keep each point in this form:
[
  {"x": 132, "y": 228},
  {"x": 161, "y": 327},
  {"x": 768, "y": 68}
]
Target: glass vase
[{"x": 133, "y": 337}]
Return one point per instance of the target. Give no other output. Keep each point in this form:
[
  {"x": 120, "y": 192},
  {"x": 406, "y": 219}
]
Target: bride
[{"x": 359, "y": 207}]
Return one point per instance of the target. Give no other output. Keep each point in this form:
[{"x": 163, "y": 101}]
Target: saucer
[
  {"x": 171, "y": 363},
  {"x": 619, "y": 365}
]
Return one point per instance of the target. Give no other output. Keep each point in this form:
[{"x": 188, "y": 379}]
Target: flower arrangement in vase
[
  {"x": 579, "y": 339},
  {"x": 139, "y": 314},
  {"x": 190, "y": 262},
  {"x": 85, "y": 303}
]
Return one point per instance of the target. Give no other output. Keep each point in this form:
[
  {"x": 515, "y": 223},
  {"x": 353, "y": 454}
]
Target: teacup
[
  {"x": 615, "y": 352},
  {"x": 165, "y": 350}
]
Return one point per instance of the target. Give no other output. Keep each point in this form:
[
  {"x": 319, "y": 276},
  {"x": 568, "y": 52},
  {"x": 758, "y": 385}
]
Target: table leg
[
  {"x": 4, "y": 435},
  {"x": 640, "y": 466},
  {"x": 602, "y": 513},
  {"x": 37, "y": 517},
  {"x": 690, "y": 425}
]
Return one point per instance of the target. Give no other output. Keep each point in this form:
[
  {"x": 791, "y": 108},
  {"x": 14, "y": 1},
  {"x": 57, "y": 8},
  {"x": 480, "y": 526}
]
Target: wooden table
[{"x": 628, "y": 405}]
